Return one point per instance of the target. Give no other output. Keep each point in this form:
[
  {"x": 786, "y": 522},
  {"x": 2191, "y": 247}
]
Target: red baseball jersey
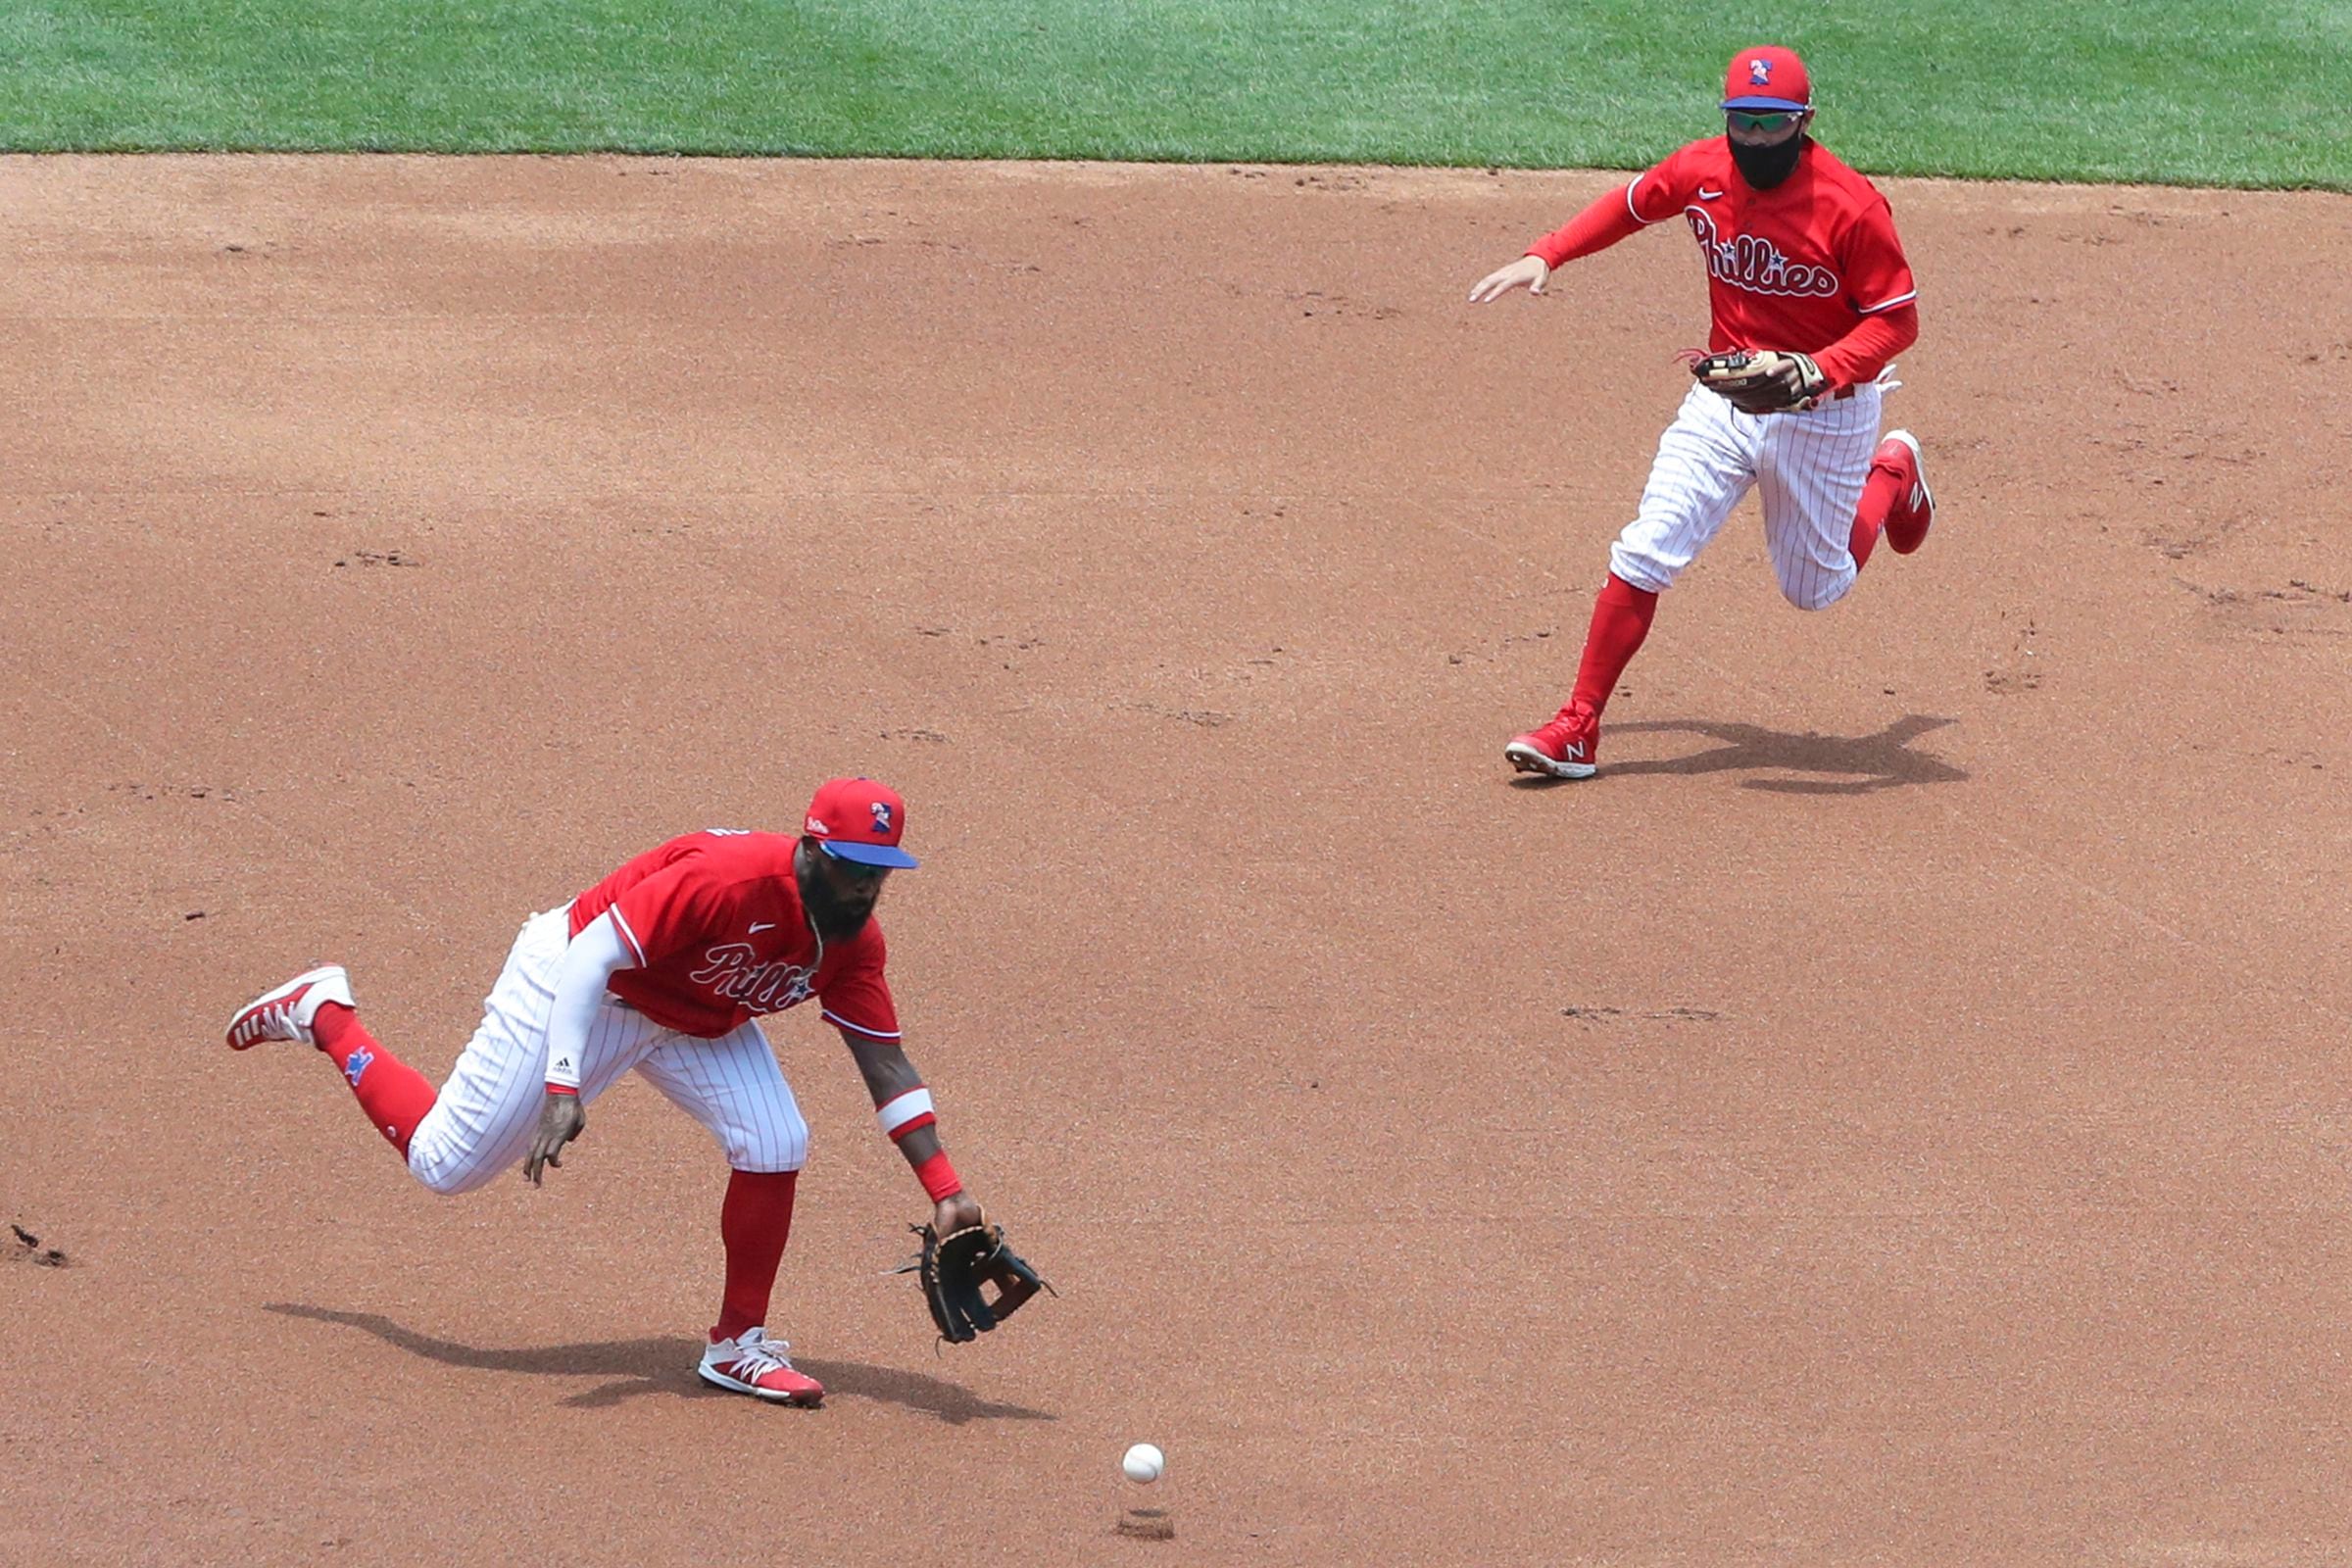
[
  {"x": 1796, "y": 266},
  {"x": 716, "y": 923}
]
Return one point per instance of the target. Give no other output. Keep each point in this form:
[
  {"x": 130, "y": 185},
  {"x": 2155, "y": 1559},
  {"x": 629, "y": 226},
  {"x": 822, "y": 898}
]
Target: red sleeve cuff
[{"x": 1863, "y": 352}]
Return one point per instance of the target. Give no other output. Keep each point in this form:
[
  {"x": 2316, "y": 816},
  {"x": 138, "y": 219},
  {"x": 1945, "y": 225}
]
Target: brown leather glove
[{"x": 1763, "y": 381}]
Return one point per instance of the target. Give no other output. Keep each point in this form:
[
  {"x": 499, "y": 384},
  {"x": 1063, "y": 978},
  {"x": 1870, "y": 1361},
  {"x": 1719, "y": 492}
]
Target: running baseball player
[
  {"x": 1810, "y": 299},
  {"x": 663, "y": 967}
]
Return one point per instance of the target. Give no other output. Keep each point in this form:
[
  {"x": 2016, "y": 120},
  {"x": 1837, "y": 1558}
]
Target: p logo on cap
[
  {"x": 1767, "y": 78},
  {"x": 859, "y": 820}
]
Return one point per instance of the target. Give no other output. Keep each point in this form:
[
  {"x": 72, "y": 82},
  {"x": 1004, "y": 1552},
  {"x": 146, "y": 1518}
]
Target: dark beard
[
  {"x": 1766, "y": 167},
  {"x": 835, "y": 921}
]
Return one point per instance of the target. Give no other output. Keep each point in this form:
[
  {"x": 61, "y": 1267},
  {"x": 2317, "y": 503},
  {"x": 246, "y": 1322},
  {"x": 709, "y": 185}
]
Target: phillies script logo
[
  {"x": 734, "y": 971},
  {"x": 1755, "y": 263}
]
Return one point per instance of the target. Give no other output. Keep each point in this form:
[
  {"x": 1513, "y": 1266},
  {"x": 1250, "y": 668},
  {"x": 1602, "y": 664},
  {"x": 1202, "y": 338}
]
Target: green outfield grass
[{"x": 2187, "y": 92}]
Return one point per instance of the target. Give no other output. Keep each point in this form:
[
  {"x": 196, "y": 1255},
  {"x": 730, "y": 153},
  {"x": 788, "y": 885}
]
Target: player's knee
[
  {"x": 1817, "y": 595},
  {"x": 446, "y": 1170},
  {"x": 763, "y": 1160},
  {"x": 764, "y": 1151},
  {"x": 1639, "y": 569}
]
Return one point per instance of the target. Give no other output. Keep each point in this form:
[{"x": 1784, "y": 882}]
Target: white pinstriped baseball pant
[
  {"x": 483, "y": 1121},
  {"x": 1808, "y": 468}
]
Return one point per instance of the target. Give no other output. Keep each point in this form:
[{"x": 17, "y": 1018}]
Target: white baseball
[{"x": 1143, "y": 1463}]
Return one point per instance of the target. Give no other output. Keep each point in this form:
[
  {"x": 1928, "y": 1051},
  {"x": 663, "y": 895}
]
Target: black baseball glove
[
  {"x": 954, "y": 1266},
  {"x": 1766, "y": 381}
]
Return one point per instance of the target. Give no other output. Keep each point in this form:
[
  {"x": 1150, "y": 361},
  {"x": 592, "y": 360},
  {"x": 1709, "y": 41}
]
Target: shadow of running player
[
  {"x": 1838, "y": 765},
  {"x": 651, "y": 1366}
]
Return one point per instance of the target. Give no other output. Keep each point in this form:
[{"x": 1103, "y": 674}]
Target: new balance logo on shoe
[
  {"x": 1565, "y": 748},
  {"x": 1908, "y": 521},
  {"x": 761, "y": 1367}
]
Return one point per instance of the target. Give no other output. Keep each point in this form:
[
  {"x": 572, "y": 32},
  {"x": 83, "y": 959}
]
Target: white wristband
[{"x": 898, "y": 1113}]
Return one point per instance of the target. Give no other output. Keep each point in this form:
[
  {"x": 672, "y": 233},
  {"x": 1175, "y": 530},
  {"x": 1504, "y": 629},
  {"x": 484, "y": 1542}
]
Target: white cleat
[
  {"x": 287, "y": 1012},
  {"x": 752, "y": 1363}
]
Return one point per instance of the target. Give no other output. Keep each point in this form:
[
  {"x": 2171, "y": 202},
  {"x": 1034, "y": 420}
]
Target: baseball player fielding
[
  {"x": 663, "y": 968},
  {"x": 1810, "y": 299}
]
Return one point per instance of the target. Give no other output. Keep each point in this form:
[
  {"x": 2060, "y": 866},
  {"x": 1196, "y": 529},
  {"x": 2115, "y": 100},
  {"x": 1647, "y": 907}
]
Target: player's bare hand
[
  {"x": 953, "y": 1214},
  {"x": 1528, "y": 273},
  {"x": 560, "y": 1120}
]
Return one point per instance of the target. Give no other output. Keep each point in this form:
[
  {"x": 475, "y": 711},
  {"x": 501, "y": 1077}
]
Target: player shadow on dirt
[
  {"x": 665, "y": 1365},
  {"x": 1841, "y": 764}
]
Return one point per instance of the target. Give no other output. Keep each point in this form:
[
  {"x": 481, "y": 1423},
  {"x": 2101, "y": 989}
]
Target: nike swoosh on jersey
[
  {"x": 1706, "y": 195},
  {"x": 759, "y": 926}
]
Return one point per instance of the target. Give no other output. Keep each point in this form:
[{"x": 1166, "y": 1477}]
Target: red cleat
[
  {"x": 752, "y": 1363},
  {"x": 1907, "y": 521},
  {"x": 1565, "y": 748},
  {"x": 286, "y": 1013}
]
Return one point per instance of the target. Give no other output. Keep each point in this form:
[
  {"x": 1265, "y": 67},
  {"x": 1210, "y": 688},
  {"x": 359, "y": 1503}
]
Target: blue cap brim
[
  {"x": 889, "y": 854},
  {"x": 1753, "y": 104}
]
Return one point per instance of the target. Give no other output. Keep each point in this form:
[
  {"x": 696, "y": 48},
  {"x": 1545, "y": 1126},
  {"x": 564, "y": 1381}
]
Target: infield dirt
[{"x": 1896, "y": 1113}]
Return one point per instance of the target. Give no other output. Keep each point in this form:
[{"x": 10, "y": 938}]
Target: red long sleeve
[
  {"x": 1599, "y": 227},
  {"x": 1861, "y": 354},
  {"x": 1857, "y": 356}
]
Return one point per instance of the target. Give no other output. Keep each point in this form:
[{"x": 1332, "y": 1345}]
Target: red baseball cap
[
  {"x": 1767, "y": 78},
  {"x": 857, "y": 819}
]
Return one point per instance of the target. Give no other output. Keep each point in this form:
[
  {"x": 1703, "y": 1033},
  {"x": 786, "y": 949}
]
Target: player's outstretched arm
[
  {"x": 1610, "y": 218},
  {"x": 961, "y": 1251},
  {"x": 902, "y": 1105},
  {"x": 1528, "y": 271}
]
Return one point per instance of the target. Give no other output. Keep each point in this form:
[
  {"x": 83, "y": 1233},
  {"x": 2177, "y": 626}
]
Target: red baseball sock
[
  {"x": 1881, "y": 493},
  {"x": 1865, "y": 537},
  {"x": 394, "y": 1094},
  {"x": 1621, "y": 618},
  {"x": 755, "y": 1223}
]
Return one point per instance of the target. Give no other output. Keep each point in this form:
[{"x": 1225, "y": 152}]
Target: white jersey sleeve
[{"x": 588, "y": 966}]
